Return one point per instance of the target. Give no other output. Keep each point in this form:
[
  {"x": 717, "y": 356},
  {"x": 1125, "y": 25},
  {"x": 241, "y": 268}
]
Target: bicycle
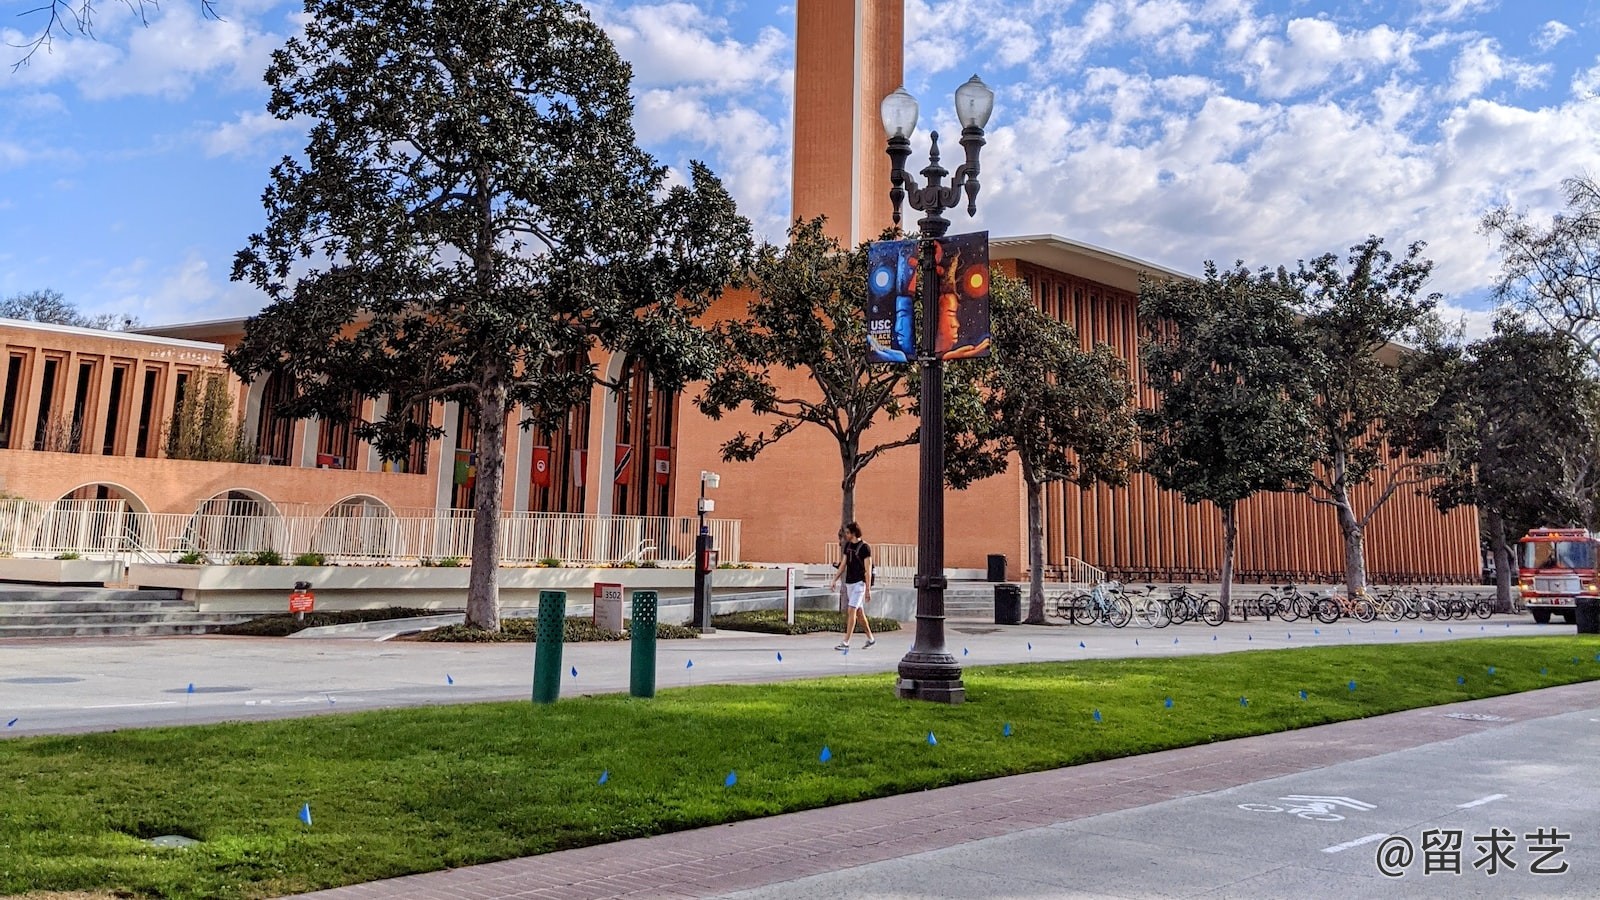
[
  {"x": 1102, "y": 603},
  {"x": 1334, "y": 605},
  {"x": 1187, "y": 605}
]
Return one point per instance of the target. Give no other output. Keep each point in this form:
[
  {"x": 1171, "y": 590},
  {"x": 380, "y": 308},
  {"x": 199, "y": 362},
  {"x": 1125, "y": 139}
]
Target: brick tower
[{"x": 849, "y": 55}]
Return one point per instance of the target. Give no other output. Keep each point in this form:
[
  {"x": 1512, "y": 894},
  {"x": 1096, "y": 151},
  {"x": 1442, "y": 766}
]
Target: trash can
[
  {"x": 997, "y": 567},
  {"x": 1007, "y": 604},
  {"x": 1589, "y": 615}
]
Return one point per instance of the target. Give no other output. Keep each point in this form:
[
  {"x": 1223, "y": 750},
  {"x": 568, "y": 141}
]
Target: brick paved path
[{"x": 720, "y": 859}]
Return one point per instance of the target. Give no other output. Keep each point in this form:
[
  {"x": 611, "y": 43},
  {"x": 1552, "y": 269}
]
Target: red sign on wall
[
  {"x": 302, "y": 601},
  {"x": 661, "y": 463}
]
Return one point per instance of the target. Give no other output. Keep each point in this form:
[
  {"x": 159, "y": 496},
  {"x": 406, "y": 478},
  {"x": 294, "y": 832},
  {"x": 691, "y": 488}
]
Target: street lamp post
[
  {"x": 928, "y": 671},
  {"x": 705, "y": 559}
]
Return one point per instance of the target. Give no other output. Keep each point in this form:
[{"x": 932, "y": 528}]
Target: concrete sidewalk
[{"x": 782, "y": 849}]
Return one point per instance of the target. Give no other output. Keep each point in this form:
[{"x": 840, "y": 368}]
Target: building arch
[
  {"x": 359, "y": 526},
  {"x": 643, "y": 418},
  {"x": 232, "y": 522},
  {"x": 94, "y": 519}
]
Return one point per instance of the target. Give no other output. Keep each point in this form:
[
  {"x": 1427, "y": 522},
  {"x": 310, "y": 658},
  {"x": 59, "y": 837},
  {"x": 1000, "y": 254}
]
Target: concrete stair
[{"x": 29, "y": 611}]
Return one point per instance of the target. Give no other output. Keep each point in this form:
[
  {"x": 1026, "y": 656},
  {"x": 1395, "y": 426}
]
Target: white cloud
[
  {"x": 1435, "y": 11},
  {"x": 1552, "y": 34},
  {"x": 251, "y": 133},
  {"x": 1586, "y": 84},
  {"x": 677, "y": 43},
  {"x": 1480, "y": 64},
  {"x": 1312, "y": 51}
]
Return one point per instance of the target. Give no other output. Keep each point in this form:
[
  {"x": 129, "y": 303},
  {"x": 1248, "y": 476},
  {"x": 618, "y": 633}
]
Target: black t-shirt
[{"x": 855, "y": 561}]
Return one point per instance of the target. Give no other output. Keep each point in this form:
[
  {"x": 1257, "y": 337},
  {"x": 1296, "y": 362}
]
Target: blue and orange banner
[{"x": 962, "y": 329}]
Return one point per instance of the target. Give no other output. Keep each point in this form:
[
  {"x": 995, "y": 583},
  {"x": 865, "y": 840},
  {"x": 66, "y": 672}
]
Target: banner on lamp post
[
  {"x": 962, "y": 326},
  {"x": 541, "y": 466}
]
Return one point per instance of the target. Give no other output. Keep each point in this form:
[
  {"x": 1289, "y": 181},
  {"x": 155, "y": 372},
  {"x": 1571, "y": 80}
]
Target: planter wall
[{"x": 61, "y": 571}]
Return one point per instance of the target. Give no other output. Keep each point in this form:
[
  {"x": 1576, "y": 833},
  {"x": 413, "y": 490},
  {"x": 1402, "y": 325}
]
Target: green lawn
[{"x": 394, "y": 792}]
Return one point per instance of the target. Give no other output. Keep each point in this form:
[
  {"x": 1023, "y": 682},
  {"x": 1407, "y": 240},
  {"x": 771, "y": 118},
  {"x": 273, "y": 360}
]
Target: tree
[
  {"x": 1352, "y": 318},
  {"x": 203, "y": 425},
  {"x": 1553, "y": 273},
  {"x": 809, "y": 316},
  {"x": 1225, "y": 357},
  {"x": 1508, "y": 421},
  {"x": 1066, "y": 412},
  {"x": 485, "y": 223},
  {"x": 52, "y": 308}
]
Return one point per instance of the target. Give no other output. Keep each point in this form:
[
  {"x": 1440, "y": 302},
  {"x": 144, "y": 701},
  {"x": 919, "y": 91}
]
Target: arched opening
[
  {"x": 231, "y": 523},
  {"x": 359, "y": 527},
  {"x": 93, "y": 520},
  {"x": 559, "y": 460}
]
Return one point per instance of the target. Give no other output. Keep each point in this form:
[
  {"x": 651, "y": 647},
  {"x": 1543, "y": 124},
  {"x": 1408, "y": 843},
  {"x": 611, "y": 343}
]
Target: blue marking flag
[
  {"x": 1316, "y": 631},
  {"x": 963, "y": 651},
  {"x": 305, "y": 814},
  {"x": 1397, "y": 631},
  {"x": 1244, "y": 701},
  {"x": 1449, "y": 630},
  {"x": 1352, "y": 685},
  {"x": 1419, "y": 631},
  {"x": 1030, "y": 649},
  {"x": 731, "y": 780},
  {"x": 1174, "y": 640},
  {"x": 1249, "y": 637},
  {"x": 1006, "y": 731},
  {"x": 447, "y": 680},
  {"x": 1348, "y": 631},
  {"x": 1491, "y": 670},
  {"x": 605, "y": 776},
  {"x": 689, "y": 664},
  {"x": 191, "y": 687},
  {"x": 1097, "y": 715},
  {"x": 11, "y": 723},
  {"x": 1169, "y": 703},
  {"x": 932, "y": 741},
  {"x": 1213, "y": 637},
  {"x": 1461, "y": 679},
  {"x": 1080, "y": 646},
  {"x": 574, "y": 671},
  {"x": 1135, "y": 642},
  {"x": 1302, "y": 695},
  {"x": 780, "y": 656},
  {"x": 825, "y": 755},
  {"x": 1291, "y": 637}
]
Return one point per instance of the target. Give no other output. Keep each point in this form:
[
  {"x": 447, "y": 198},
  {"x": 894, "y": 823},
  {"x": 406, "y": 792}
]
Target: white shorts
[{"x": 857, "y": 591}]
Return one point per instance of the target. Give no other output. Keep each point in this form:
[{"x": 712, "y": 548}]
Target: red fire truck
[{"x": 1555, "y": 566}]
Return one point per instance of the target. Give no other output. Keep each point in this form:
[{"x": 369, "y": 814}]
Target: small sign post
[
  {"x": 608, "y": 606},
  {"x": 301, "y": 599}
]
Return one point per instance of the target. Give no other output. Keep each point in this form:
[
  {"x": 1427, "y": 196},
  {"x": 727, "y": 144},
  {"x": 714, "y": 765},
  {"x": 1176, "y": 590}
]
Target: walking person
[{"x": 855, "y": 567}]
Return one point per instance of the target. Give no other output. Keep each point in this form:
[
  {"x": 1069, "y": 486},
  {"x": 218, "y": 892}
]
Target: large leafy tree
[
  {"x": 471, "y": 217},
  {"x": 1065, "y": 412},
  {"x": 1553, "y": 273},
  {"x": 808, "y": 316},
  {"x": 1225, "y": 357},
  {"x": 1353, "y": 315},
  {"x": 1508, "y": 421}
]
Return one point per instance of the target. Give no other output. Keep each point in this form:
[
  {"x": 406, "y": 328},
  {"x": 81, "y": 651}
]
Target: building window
[
  {"x": 337, "y": 446},
  {"x": 8, "y": 413},
  {"x": 119, "y": 375},
  {"x": 80, "y": 406},
  {"x": 274, "y": 431},
  {"x": 145, "y": 444},
  {"x": 646, "y": 419},
  {"x": 43, "y": 436}
]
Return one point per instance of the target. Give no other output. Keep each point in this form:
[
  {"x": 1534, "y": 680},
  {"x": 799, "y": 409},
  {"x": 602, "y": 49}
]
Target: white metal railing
[
  {"x": 892, "y": 563},
  {"x": 1080, "y": 574},
  {"x": 109, "y": 529}
]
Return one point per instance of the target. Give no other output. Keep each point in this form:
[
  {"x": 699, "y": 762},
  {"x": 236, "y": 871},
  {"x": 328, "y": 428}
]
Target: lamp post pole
[
  {"x": 703, "y": 564},
  {"x": 928, "y": 671}
]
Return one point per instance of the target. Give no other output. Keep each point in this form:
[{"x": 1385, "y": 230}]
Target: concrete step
[
  {"x": 79, "y": 607},
  {"x": 154, "y": 629},
  {"x": 13, "y": 593},
  {"x": 118, "y": 618}
]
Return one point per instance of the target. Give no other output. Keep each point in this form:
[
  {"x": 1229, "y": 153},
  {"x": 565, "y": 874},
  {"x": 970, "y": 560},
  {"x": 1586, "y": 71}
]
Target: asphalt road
[{"x": 74, "y": 685}]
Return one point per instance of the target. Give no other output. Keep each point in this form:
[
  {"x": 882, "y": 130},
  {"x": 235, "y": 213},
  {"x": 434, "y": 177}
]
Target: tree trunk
[
  {"x": 1355, "y": 553},
  {"x": 847, "y": 508},
  {"x": 1035, "y": 553},
  {"x": 1504, "y": 567},
  {"x": 483, "y": 588},
  {"x": 1230, "y": 539}
]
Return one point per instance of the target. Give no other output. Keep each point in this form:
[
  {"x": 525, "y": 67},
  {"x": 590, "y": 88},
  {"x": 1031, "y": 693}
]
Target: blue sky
[{"x": 1173, "y": 130}]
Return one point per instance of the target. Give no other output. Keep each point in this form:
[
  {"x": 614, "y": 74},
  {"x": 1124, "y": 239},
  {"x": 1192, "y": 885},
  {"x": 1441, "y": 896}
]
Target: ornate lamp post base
[{"x": 930, "y": 676}]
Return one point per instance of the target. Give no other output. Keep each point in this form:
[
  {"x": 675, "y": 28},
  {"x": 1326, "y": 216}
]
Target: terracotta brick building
[{"x": 85, "y": 413}]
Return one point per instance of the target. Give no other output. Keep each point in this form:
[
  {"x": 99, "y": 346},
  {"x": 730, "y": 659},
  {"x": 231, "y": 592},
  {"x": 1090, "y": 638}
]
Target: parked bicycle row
[{"x": 1111, "y": 603}]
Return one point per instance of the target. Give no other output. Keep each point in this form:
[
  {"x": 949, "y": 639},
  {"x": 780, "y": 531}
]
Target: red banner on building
[
  {"x": 661, "y": 463},
  {"x": 622, "y": 470},
  {"x": 541, "y": 466}
]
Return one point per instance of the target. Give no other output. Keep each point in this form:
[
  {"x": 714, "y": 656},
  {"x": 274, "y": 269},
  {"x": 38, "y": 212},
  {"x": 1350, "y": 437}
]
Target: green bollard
[
  {"x": 547, "y": 654},
  {"x": 642, "y": 682}
]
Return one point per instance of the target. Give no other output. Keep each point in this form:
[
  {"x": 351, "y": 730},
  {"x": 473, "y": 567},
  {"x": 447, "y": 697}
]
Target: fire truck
[{"x": 1556, "y": 566}]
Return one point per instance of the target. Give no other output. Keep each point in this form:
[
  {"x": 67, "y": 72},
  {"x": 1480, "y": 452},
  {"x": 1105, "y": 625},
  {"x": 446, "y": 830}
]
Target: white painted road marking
[
  {"x": 1479, "y": 802},
  {"x": 132, "y": 705},
  {"x": 1338, "y": 848}
]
